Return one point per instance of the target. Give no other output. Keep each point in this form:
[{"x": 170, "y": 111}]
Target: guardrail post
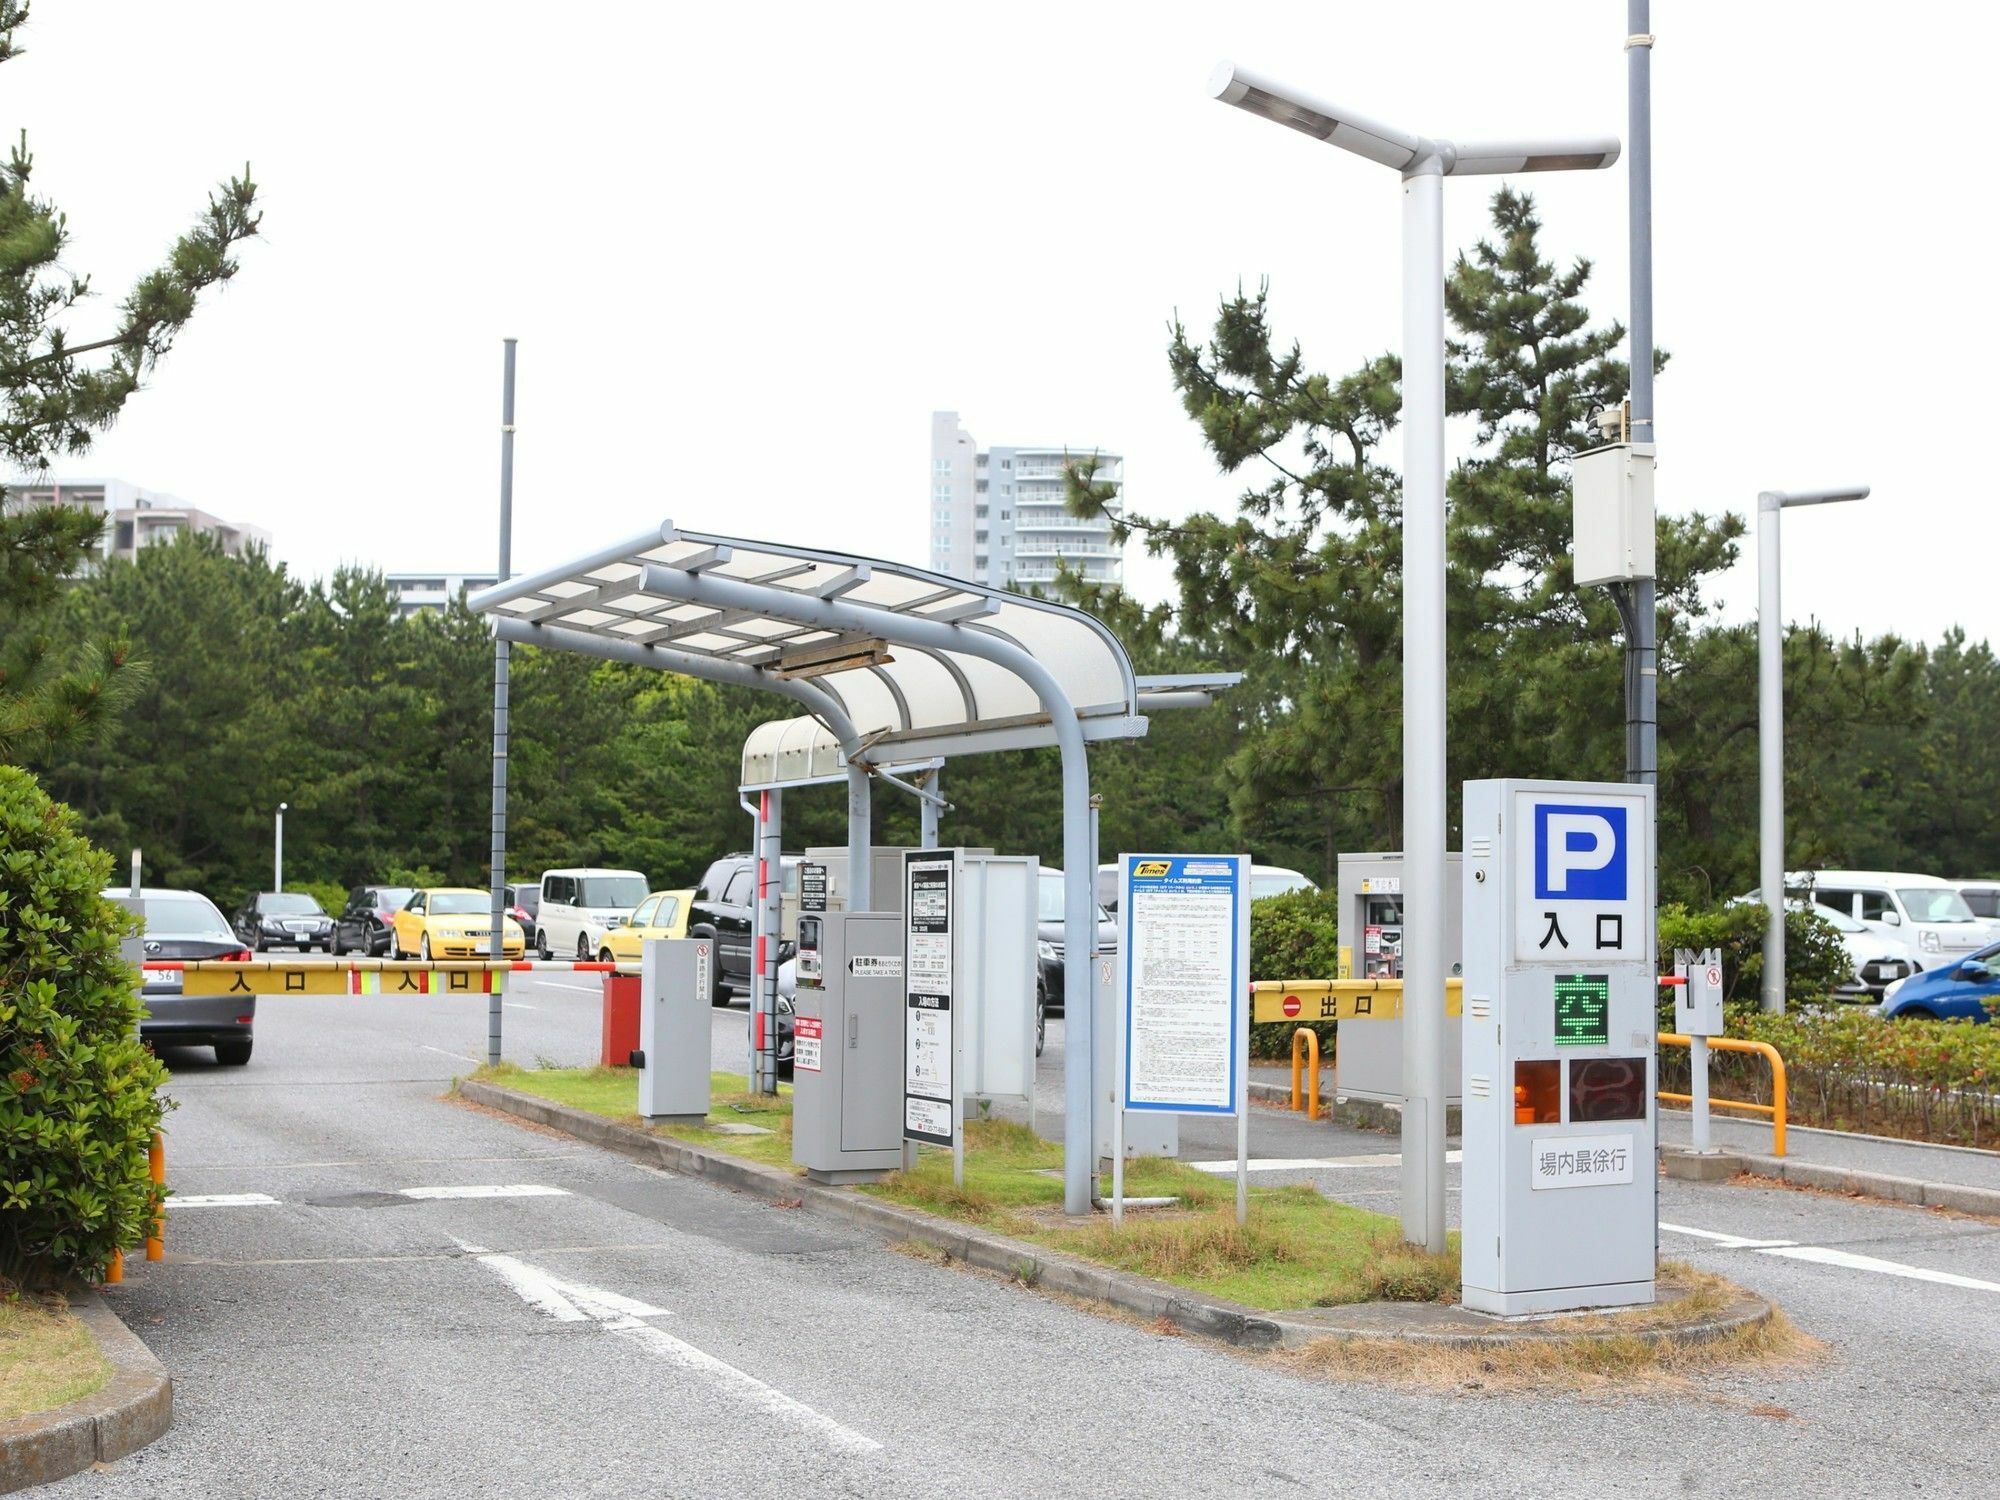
[
  {"x": 156, "y": 1162},
  {"x": 1308, "y": 1039},
  {"x": 1698, "y": 1090}
]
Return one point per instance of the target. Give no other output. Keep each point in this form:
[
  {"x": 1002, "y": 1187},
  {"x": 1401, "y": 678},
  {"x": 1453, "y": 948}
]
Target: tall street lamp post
[
  {"x": 278, "y": 849},
  {"x": 1771, "y": 728},
  {"x": 1423, "y": 163}
]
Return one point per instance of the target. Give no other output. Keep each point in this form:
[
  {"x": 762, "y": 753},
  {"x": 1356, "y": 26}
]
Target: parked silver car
[{"x": 186, "y": 925}]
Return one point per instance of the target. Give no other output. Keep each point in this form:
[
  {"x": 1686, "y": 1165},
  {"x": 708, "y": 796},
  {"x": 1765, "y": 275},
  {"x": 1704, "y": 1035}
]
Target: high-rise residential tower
[{"x": 997, "y": 516}]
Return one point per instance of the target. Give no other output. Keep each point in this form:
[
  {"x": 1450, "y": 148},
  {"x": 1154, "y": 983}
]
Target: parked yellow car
[
  {"x": 663, "y": 914},
  {"x": 450, "y": 922}
]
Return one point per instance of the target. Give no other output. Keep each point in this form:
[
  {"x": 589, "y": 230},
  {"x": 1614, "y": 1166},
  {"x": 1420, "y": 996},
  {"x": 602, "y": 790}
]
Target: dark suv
[{"x": 723, "y": 910}]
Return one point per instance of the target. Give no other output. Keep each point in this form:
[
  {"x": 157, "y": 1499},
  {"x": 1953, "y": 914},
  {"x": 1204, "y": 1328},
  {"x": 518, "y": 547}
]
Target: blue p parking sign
[{"x": 1580, "y": 852}]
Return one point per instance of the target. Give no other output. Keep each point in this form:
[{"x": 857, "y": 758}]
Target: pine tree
[{"x": 55, "y": 397}]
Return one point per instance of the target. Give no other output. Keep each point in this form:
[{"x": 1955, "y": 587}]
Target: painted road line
[
  {"x": 557, "y": 984},
  {"x": 576, "y": 1302},
  {"x": 1844, "y": 1259},
  {"x": 508, "y": 1190},
  {"x": 1307, "y": 1163},
  {"x": 447, "y": 1052},
  {"x": 222, "y": 1200}
]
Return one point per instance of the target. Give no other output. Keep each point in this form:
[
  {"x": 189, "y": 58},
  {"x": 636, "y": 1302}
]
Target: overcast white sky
[{"x": 747, "y": 250}]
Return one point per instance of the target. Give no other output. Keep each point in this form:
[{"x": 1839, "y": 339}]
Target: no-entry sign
[{"x": 1292, "y": 1006}]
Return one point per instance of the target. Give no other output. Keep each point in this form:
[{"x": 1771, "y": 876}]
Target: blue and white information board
[{"x": 1185, "y": 937}]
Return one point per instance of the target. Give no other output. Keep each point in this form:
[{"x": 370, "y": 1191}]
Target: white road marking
[
  {"x": 1307, "y": 1163},
  {"x": 221, "y": 1200},
  {"x": 557, "y": 984},
  {"x": 1844, "y": 1259},
  {"x": 486, "y": 1190},
  {"x": 574, "y": 1302},
  {"x": 517, "y": 1005},
  {"x": 447, "y": 1052}
]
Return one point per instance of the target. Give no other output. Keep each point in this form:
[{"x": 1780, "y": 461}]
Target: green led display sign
[{"x": 1583, "y": 1010}]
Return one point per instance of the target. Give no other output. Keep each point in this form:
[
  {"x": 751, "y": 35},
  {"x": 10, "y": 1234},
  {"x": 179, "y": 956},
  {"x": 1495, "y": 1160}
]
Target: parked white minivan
[
  {"x": 1983, "y": 896},
  {"x": 1926, "y": 914},
  {"x": 580, "y": 905}
]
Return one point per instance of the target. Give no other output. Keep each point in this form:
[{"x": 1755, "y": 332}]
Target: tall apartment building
[
  {"x": 997, "y": 516},
  {"x": 136, "y": 517}
]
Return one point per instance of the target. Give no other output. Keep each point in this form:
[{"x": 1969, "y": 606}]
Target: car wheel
[
  {"x": 424, "y": 948},
  {"x": 583, "y": 948},
  {"x": 1914, "y": 1013},
  {"x": 542, "y": 945},
  {"x": 605, "y": 957},
  {"x": 233, "y": 1054},
  {"x": 1041, "y": 1021},
  {"x": 337, "y": 948}
]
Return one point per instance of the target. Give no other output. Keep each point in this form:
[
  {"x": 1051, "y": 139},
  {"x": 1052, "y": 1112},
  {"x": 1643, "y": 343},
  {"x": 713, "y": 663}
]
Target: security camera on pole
[{"x": 1423, "y": 163}]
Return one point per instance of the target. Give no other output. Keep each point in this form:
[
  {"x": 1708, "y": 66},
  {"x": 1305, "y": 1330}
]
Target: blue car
[{"x": 1951, "y": 992}]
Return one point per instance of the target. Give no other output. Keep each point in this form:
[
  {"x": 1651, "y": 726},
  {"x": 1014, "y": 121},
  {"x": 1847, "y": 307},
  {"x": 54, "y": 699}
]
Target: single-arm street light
[
  {"x": 278, "y": 849},
  {"x": 1771, "y": 728},
  {"x": 1424, "y": 164}
]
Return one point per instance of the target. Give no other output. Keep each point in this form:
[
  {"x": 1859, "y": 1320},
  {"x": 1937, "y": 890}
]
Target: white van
[
  {"x": 1983, "y": 896},
  {"x": 579, "y": 906},
  {"x": 1926, "y": 914}
]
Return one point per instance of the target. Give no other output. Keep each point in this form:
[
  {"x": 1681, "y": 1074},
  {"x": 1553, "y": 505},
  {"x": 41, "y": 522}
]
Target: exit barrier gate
[{"x": 208, "y": 977}]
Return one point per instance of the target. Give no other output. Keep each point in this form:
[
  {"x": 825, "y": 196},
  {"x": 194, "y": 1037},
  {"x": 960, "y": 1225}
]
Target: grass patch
[
  {"x": 614, "y": 1094},
  {"x": 1298, "y": 1250},
  {"x": 47, "y": 1357},
  {"x": 1620, "y": 1366}
]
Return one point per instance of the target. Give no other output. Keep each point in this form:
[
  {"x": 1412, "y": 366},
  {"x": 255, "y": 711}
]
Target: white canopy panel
[{"x": 912, "y": 699}]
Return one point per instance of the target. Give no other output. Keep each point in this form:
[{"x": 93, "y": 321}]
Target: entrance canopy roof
[{"x": 917, "y": 660}]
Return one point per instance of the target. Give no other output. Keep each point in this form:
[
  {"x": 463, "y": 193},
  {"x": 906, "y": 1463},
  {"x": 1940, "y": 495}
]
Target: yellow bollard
[
  {"x": 1310, "y": 1038},
  {"x": 156, "y": 1159},
  {"x": 115, "y": 1272}
]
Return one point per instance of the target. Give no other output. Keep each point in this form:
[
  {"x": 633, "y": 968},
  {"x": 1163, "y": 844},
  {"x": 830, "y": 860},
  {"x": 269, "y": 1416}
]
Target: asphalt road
[{"x": 596, "y": 1328}]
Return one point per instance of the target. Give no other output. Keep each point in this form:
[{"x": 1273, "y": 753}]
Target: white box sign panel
[
  {"x": 930, "y": 973},
  {"x": 1580, "y": 886},
  {"x": 1186, "y": 941},
  {"x": 807, "y": 1032},
  {"x": 1568, "y": 1161}
]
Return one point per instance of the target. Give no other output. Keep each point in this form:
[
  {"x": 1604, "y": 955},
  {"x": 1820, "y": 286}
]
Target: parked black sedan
[
  {"x": 1049, "y": 939},
  {"x": 367, "y": 923},
  {"x": 283, "y": 919}
]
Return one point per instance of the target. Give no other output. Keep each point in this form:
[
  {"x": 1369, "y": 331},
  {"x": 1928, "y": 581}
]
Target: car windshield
[
  {"x": 1932, "y": 903},
  {"x": 183, "y": 914},
  {"x": 393, "y": 896},
  {"x": 1983, "y": 901},
  {"x": 1049, "y": 901},
  {"x": 289, "y": 904},
  {"x": 1276, "y": 882},
  {"x": 460, "y": 903},
  {"x": 1840, "y": 921},
  {"x": 616, "y": 892}
]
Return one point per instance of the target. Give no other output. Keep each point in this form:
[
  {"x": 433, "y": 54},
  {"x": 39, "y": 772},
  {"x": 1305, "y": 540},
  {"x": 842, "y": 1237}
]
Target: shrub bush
[
  {"x": 1293, "y": 936},
  {"x": 79, "y": 1097},
  {"x": 1850, "y": 1069},
  {"x": 331, "y": 897},
  {"x": 1816, "y": 961}
]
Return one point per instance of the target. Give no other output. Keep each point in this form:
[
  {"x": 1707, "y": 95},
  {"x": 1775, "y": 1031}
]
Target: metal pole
[
  {"x": 1698, "y": 1090},
  {"x": 501, "y": 657},
  {"x": 753, "y": 1067},
  {"x": 928, "y": 810},
  {"x": 1643, "y": 648},
  {"x": 770, "y": 909},
  {"x": 278, "y": 849},
  {"x": 1771, "y": 752},
  {"x": 135, "y": 872},
  {"x": 1423, "y": 705}
]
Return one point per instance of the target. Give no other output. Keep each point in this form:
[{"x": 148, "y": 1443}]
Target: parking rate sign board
[
  {"x": 1186, "y": 938},
  {"x": 930, "y": 971}
]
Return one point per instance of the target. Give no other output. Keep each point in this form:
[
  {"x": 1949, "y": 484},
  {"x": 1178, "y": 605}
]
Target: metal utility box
[
  {"x": 675, "y": 982},
  {"x": 847, "y": 1046},
  {"x": 1698, "y": 999},
  {"x": 1148, "y": 1132},
  {"x": 1561, "y": 996},
  {"x": 1612, "y": 513},
  {"x": 885, "y": 891},
  {"x": 1370, "y": 890}
]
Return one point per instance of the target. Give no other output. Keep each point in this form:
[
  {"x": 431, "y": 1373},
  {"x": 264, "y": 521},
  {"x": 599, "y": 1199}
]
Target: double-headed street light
[
  {"x": 1771, "y": 727},
  {"x": 1424, "y": 164}
]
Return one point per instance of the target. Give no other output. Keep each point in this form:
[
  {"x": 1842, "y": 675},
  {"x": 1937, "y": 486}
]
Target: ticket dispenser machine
[
  {"x": 1559, "y": 1031},
  {"x": 675, "y": 981},
  {"x": 1370, "y": 888},
  {"x": 847, "y": 1061}
]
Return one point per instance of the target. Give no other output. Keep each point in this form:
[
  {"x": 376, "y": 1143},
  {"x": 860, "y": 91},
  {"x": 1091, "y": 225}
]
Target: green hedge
[
  {"x": 1293, "y": 936},
  {"x": 1849, "y": 1069},
  {"x": 79, "y": 1097}
]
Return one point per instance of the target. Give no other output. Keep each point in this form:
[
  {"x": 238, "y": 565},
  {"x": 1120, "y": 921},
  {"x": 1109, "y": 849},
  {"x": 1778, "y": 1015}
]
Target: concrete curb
[
  {"x": 1913, "y": 1191},
  {"x": 135, "y": 1406},
  {"x": 1230, "y": 1322},
  {"x": 1358, "y": 1114}
]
